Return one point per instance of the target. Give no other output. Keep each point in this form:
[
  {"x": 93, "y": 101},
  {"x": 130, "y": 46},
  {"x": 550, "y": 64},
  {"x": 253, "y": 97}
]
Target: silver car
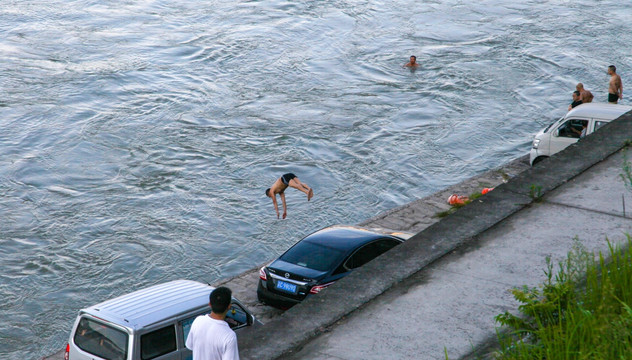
[{"x": 152, "y": 323}]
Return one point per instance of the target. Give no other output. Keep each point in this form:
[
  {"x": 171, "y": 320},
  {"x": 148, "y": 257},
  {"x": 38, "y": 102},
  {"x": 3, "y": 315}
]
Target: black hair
[
  {"x": 268, "y": 192},
  {"x": 220, "y": 299},
  {"x": 413, "y": 56},
  {"x": 613, "y": 68},
  {"x": 576, "y": 92}
]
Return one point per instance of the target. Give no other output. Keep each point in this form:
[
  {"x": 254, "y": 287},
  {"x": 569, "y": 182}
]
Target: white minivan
[
  {"x": 585, "y": 118},
  {"x": 152, "y": 323}
]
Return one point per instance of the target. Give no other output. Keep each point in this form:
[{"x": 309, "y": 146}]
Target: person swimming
[{"x": 412, "y": 63}]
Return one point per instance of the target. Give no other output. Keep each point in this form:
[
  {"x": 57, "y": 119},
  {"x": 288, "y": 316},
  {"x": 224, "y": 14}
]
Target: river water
[{"x": 137, "y": 137}]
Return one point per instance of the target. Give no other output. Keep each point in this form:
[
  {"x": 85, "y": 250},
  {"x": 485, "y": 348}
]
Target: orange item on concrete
[{"x": 455, "y": 199}]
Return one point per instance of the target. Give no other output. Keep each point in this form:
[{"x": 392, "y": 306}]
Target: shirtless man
[
  {"x": 585, "y": 95},
  {"x": 412, "y": 63},
  {"x": 279, "y": 187},
  {"x": 615, "y": 88}
]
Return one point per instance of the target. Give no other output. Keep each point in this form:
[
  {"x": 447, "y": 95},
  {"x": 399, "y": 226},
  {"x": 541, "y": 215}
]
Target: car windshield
[
  {"x": 313, "y": 256},
  {"x": 553, "y": 123}
]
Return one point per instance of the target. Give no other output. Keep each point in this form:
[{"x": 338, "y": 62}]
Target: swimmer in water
[
  {"x": 282, "y": 183},
  {"x": 412, "y": 63}
]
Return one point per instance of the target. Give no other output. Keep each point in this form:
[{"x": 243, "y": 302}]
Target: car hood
[{"x": 281, "y": 267}]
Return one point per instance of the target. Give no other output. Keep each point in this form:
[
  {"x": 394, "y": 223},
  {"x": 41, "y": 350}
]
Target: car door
[
  {"x": 566, "y": 134},
  {"x": 184, "y": 326},
  {"x": 369, "y": 252},
  {"x": 237, "y": 318}
]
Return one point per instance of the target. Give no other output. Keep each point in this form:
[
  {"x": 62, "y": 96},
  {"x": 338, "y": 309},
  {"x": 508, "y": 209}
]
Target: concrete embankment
[
  {"x": 412, "y": 217},
  {"x": 411, "y": 299},
  {"x": 441, "y": 289}
]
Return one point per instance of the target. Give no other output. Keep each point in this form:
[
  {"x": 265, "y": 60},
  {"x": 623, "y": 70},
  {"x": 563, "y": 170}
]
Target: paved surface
[
  {"x": 442, "y": 288},
  {"x": 452, "y": 303}
]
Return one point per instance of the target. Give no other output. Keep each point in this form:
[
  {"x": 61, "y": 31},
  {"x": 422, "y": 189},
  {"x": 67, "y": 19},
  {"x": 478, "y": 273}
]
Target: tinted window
[
  {"x": 101, "y": 340},
  {"x": 158, "y": 342},
  {"x": 313, "y": 256},
  {"x": 186, "y": 326},
  {"x": 369, "y": 252}
]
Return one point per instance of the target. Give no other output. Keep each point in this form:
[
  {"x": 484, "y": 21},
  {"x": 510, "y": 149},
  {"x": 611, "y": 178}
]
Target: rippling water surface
[{"x": 137, "y": 137}]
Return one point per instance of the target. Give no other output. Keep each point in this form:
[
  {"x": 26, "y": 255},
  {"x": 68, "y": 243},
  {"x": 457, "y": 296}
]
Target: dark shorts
[
  {"x": 287, "y": 177},
  {"x": 613, "y": 97}
]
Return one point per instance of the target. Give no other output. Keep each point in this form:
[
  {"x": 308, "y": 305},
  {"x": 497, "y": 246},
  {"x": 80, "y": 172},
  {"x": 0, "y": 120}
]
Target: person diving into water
[{"x": 282, "y": 183}]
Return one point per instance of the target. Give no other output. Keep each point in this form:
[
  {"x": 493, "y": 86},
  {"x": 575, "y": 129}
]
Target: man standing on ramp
[
  {"x": 615, "y": 88},
  {"x": 282, "y": 183}
]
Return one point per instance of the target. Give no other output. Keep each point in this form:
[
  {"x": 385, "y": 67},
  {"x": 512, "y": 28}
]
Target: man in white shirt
[{"x": 210, "y": 337}]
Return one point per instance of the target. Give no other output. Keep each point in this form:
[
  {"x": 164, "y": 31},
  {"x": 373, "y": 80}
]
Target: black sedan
[{"x": 321, "y": 259}]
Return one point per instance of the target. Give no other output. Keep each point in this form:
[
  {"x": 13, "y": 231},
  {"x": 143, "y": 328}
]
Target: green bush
[{"x": 581, "y": 312}]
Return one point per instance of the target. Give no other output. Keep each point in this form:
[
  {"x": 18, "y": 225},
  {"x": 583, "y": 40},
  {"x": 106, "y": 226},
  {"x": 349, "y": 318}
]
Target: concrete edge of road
[{"x": 287, "y": 333}]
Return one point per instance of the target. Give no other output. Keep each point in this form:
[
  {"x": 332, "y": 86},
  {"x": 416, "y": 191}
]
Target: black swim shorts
[
  {"x": 613, "y": 98},
  {"x": 287, "y": 177}
]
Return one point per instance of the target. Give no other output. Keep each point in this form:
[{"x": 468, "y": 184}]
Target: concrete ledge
[{"x": 285, "y": 334}]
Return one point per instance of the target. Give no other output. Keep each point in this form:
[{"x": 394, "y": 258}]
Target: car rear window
[
  {"x": 313, "y": 256},
  {"x": 101, "y": 340}
]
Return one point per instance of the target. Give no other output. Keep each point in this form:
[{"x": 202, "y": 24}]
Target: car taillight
[
  {"x": 67, "y": 353},
  {"x": 262, "y": 274},
  {"x": 316, "y": 289}
]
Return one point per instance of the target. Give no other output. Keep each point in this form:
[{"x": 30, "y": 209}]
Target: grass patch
[
  {"x": 582, "y": 312},
  {"x": 443, "y": 214},
  {"x": 535, "y": 192}
]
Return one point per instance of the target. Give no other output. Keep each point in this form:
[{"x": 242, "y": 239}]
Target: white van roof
[
  {"x": 153, "y": 304},
  {"x": 599, "y": 110}
]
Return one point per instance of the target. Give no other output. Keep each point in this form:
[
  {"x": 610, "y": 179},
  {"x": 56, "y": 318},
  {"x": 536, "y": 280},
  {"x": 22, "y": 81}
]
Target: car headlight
[{"x": 536, "y": 143}]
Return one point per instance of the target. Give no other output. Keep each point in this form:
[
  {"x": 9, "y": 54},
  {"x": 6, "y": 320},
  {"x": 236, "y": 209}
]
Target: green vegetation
[
  {"x": 443, "y": 214},
  {"x": 582, "y": 312},
  {"x": 535, "y": 192}
]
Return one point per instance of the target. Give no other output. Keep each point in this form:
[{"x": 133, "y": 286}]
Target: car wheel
[{"x": 538, "y": 159}]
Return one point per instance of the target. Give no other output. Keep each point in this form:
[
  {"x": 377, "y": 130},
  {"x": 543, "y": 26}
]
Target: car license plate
[{"x": 286, "y": 286}]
